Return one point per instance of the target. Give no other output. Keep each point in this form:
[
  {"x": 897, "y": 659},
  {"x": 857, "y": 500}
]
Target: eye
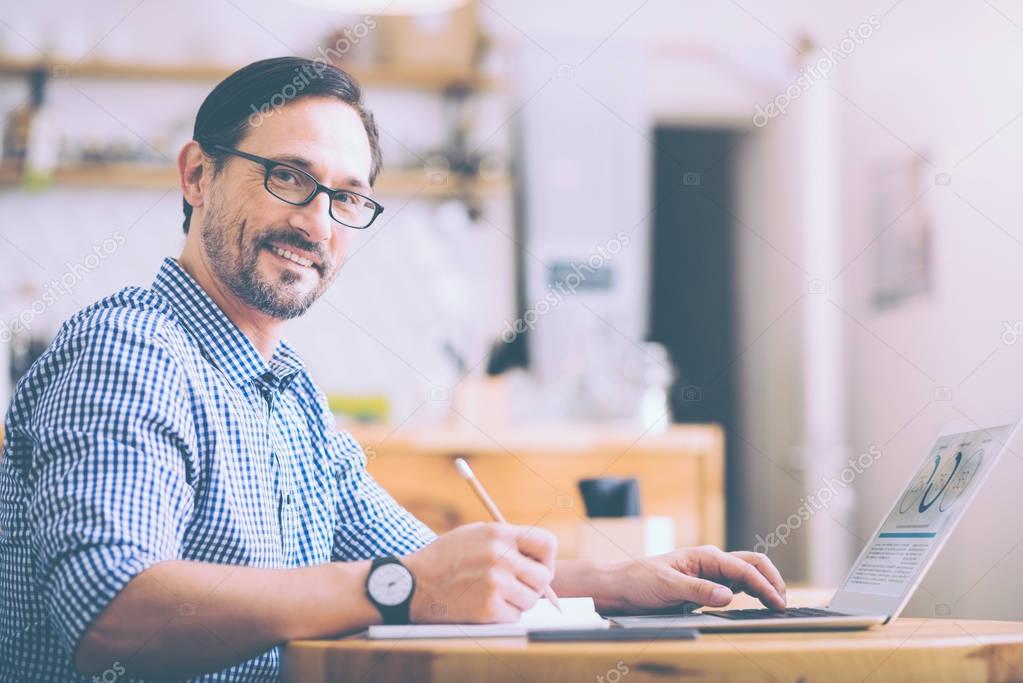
[
  {"x": 346, "y": 198},
  {"x": 283, "y": 174}
]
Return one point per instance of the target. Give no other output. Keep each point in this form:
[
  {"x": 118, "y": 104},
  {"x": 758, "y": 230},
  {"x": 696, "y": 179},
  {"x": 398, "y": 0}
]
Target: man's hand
[
  {"x": 481, "y": 573},
  {"x": 703, "y": 576}
]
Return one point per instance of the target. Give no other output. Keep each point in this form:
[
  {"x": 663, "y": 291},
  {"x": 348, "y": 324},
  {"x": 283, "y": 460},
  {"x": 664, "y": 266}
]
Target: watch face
[{"x": 390, "y": 584}]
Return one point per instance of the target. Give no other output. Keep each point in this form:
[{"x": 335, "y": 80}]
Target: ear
[{"x": 192, "y": 172}]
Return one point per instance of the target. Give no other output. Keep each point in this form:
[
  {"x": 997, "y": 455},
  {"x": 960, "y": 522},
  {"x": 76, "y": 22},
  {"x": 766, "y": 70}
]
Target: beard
[{"x": 233, "y": 253}]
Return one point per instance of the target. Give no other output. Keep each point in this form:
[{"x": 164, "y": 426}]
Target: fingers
[
  {"x": 529, "y": 572},
  {"x": 701, "y": 591},
  {"x": 519, "y": 595},
  {"x": 528, "y": 577},
  {"x": 539, "y": 544},
  {"x": 762, "y": 563},
  {"x": 482, "y": 573},
  {"x": 521, "y": 566},
  {"x": 507, "y": 614},
  {"x": 496, "y": 610},
  {"x": 716, "y": 564}
]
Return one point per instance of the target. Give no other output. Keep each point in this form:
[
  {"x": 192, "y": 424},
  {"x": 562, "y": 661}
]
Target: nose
[{"x": 314, "y": 219}]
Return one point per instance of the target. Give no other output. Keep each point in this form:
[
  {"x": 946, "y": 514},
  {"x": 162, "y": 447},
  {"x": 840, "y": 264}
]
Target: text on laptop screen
[{"x": 932, "y": 501}]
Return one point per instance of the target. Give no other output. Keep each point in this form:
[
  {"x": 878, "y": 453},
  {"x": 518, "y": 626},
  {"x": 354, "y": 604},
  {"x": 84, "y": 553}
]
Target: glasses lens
[
  {"x": 290, "y": 184},
  {"x": 353, "y": 209}
]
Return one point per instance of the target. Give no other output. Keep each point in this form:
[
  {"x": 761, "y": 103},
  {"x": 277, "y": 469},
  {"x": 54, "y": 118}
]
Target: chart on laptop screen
[{"x": 931, "y": 502}]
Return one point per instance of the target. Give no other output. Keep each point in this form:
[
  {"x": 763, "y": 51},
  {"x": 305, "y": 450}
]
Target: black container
[{"x": 610, "y": 497}]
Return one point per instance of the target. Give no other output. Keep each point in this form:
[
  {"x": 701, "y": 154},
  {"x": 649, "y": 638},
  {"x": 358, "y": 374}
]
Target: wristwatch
[{"x": 389, "y": 586}]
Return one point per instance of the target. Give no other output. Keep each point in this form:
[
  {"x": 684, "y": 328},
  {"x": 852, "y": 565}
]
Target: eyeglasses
[{"x": 295, "y": 186}]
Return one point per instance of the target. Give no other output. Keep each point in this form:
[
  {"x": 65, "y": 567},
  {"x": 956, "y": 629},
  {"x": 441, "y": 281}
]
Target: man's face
[{"x": 246, "y": 229}]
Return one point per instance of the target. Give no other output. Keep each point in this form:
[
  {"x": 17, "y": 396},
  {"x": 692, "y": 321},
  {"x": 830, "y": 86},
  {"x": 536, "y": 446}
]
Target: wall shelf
[
  {"x": 142, "y": 176},
  {"x": 415, "y": 76}
]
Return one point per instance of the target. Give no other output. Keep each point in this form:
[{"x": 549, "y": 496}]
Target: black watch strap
[{"x": 392, "y": 614}]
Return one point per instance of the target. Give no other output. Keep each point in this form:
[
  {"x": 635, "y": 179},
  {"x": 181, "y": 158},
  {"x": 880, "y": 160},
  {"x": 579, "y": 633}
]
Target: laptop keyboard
[{"x": 794, "y": 613}]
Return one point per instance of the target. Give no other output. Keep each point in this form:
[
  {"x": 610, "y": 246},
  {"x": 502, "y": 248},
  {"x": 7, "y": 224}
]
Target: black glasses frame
[{"x": 269, "y": 164}]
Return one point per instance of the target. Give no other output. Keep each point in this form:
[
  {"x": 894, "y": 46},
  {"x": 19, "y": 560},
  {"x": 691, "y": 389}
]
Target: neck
[{"x": 262, "y": 330}]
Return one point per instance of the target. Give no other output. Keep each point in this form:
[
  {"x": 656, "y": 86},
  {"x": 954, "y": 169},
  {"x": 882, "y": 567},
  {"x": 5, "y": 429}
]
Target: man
[{"x": 173, "y": 496}]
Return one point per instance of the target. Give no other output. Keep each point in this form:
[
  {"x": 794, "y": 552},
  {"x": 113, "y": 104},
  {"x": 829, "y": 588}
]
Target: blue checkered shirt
[{"x": 151, "y": 430}]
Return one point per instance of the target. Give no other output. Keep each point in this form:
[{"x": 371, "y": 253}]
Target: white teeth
[{"x": 293, "y": 257}]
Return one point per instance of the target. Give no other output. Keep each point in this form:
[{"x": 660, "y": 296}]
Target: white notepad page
[{"x": 543, "y": 616}]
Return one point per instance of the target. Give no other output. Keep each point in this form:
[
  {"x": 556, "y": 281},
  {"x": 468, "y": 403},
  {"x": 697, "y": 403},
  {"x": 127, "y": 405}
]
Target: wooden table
[{"x": 929, "y": 650}]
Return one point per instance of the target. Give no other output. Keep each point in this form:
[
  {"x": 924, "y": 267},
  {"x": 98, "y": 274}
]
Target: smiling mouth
[{"x": 290, "y": 256}]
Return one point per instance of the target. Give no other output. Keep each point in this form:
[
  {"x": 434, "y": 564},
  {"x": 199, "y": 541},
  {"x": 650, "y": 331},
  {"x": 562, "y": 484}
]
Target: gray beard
[{"x": 238, "y": 270}]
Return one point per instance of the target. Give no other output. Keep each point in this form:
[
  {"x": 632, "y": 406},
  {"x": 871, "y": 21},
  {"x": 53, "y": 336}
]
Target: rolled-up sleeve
[
  {"x": 370, "y": 522},
  {"x": 109, "y": 471}
]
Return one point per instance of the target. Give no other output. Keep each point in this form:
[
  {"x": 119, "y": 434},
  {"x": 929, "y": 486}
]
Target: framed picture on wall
[{"x": 904, "y": 223}]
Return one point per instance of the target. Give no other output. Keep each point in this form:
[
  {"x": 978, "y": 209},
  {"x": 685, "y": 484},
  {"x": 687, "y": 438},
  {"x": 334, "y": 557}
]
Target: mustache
[{"x": 290, "y": 238}]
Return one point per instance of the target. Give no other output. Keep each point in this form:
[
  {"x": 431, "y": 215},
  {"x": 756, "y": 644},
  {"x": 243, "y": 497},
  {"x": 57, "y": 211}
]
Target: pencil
[{"x": 491, "y": 506}]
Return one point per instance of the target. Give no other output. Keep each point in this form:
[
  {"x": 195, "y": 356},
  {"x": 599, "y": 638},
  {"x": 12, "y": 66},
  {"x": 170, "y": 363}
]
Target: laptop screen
[{"x": 925, "y": 513}]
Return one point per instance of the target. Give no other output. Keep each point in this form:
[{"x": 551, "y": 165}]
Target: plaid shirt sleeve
[
  {"x": 109, "y": 469},
  {"x": 370, "y": 523}
]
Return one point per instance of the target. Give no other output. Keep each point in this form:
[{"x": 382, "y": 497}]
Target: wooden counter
[{"x": 532, "y": 474}]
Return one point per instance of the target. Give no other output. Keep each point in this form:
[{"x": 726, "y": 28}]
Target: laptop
[{"x": 899, "y": 552}]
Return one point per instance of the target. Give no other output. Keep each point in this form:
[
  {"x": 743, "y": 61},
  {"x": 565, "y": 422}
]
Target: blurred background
[{"x": 750, "y": 254}]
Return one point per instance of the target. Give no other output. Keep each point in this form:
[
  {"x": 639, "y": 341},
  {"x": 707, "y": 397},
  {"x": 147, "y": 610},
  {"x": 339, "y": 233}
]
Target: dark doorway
[{"x": 692, "y": 288}]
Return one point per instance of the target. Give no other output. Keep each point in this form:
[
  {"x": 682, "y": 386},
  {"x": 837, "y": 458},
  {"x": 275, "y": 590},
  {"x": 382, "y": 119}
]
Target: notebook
[{"x": 578, "y": 613}]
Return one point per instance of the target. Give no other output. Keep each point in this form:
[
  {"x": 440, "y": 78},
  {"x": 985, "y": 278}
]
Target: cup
[{"x": 610, "y": 497}]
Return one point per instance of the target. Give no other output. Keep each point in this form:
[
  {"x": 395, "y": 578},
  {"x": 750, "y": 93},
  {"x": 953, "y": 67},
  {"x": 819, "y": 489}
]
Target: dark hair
[{"x": 261, "y": 88}]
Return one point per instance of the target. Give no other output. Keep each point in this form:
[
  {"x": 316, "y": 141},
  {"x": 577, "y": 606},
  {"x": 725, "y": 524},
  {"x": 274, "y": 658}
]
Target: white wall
[{"x": 940, "y": 78}]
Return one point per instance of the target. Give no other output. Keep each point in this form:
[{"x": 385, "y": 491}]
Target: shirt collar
[{"x": 219, "y": 338}]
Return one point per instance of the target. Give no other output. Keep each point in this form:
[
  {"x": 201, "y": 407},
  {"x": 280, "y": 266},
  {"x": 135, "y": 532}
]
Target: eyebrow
[{"x": 307, "y": 166}]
